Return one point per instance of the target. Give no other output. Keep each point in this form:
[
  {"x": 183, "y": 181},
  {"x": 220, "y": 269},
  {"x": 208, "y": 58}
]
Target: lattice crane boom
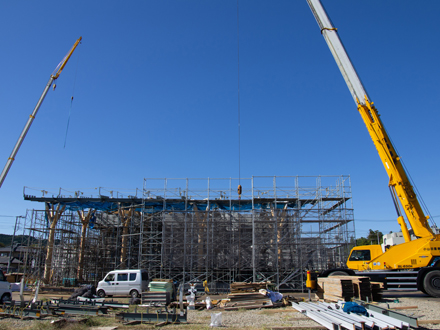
[{"x": 52, "y": 78}]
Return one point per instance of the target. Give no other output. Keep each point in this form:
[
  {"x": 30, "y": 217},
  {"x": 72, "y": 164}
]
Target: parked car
[
  {"x": 123, "y": 283},
  {"x": 5, "y": 289}
]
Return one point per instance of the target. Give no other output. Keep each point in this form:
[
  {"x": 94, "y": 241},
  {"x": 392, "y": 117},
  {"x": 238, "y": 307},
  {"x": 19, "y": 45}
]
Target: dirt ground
[{"x": 422, "y": 307}]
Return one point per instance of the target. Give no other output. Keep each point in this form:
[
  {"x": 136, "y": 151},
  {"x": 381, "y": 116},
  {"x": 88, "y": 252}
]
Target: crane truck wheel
[
  {"x": 338, "y": 273},
  {"x": 431, "y": 283}
]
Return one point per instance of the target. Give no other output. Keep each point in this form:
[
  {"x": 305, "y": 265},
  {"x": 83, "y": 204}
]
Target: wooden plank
[
  {"x": 245, "y": 294},
  {"x": 275, "y": 311},
  {"x": 405, "y": 307},
  {"x": 132, "y": 323},
  {"x": 248, "y": 303},
  {"x": 428, "y": 322},
  {"x": 246, "y": 297},
  {"x": 335, "y": 298},
  {"x": 247, "y": 307},
  {"x": 254, "y": 306},
  {"x": 161, "y": 324},
  {"x": 237, "y": 287}
]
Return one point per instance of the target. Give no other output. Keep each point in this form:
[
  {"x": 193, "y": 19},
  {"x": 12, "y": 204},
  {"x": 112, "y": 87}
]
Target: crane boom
[
  {"x": 400, "y": 186},
  {"x": 330, "y": 35},
  {"x": 52, "y": 78}
]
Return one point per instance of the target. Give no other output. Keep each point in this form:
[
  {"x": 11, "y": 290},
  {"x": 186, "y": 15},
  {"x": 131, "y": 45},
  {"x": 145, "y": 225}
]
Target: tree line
[{"x": 373, "y": 237}]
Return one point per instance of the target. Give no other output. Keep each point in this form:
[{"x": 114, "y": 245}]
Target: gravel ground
[
  {"x": 427, "y": 309},
  {"x": 253, "y": 319}
]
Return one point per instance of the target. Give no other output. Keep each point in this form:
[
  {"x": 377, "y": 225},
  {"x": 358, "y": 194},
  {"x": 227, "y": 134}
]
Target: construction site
[
  {"x": 191, "y": 230},
  {"x": 276, "y": 252}
]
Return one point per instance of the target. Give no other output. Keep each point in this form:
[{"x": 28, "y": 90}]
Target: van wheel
[
  {"x": 6, "y": 297},
  {"x": 431, "y": 283},
  {"x": 134, "y": 294},
  {"x": 101, "y": 293}
]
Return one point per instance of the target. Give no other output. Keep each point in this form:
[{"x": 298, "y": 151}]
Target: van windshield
[{"x": 110, "y": 277}]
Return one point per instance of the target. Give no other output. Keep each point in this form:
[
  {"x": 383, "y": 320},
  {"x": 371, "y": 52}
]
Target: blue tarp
[
  {"x": 352, "y": 307},
  {"x": 274, "y": 296}
]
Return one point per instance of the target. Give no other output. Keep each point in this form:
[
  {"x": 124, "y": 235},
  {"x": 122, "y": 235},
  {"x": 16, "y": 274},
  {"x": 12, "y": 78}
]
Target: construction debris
[
  {"x": 59, "y": 323},
  {"x": 88, "y": 291},
  {"x": 243, "y": 300},
  {"x": 158, "y": 317},
  {"x": 238, "y": 287}
]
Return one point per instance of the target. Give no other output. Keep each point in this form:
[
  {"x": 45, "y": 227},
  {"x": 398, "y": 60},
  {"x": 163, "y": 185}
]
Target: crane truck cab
[{"x": 361, "y": 256}]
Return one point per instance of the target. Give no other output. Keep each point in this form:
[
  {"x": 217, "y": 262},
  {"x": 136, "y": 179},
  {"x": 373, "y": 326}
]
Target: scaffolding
[{"x": 201, "y": 229}]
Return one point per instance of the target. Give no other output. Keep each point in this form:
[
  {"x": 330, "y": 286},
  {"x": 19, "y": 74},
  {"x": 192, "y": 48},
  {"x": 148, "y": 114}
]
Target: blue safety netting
[{"x": 161, "y": 205}]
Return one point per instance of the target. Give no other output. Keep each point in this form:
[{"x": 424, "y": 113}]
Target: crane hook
[{"x": 54, "y": 86}]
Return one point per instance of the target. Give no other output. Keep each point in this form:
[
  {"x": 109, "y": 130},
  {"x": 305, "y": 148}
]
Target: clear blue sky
[{"x": 155, "y": 95}]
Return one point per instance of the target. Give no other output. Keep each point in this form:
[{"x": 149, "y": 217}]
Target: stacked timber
[
  {"x": 362, "y": 287},
  {"x": 376, "y": 290},
  {"x": 237, "y": 287},
  {"x": 335, "y": 288}
]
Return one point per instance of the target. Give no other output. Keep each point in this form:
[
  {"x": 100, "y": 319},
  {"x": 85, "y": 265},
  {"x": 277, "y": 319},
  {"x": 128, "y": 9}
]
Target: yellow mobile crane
[{"x": 418, "y": 257}]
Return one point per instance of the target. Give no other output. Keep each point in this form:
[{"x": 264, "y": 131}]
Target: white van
[
  {"x": 123, "y": 282},
  {"x": 5, "y": 289}
]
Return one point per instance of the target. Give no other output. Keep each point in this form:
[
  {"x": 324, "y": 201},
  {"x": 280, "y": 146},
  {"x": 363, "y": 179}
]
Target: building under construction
[{"x": 191, "y": 230}]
